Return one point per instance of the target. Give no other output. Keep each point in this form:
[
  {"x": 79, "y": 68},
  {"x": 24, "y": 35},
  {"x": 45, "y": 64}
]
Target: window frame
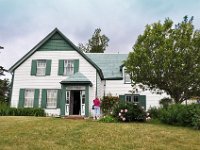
[
  {"x": 29, "y": 100},
  {"x": 44, "y": 68}
]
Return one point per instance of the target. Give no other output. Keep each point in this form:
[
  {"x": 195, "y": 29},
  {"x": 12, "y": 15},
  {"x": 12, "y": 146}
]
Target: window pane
[
  {"x": 41, "y": 67},
  {"x": 135, "y": 99},
  {"x": 68, "y": 67},
  {"x": 128, "y": 98},
  {"x": 51, "y": 98},
  {"x": 29, "y": 98}
]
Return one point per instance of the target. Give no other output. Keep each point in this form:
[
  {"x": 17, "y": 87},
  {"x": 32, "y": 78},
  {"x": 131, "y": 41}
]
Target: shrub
[
  {"x": 5, "y": 110},
  {"x": 108, "y": 103},
  {"x": 154, "y": 112},
  {"x": 129, "y": 112},
  {"x": 108, "y": 119},
  {"x": 184, "y": 115}
]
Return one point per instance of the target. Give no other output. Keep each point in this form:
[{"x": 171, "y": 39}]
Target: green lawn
[{"x": 35, "y": 133}]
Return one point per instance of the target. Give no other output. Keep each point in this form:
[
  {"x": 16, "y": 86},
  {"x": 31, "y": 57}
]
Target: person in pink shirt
[{"x": 96, "y": 103}]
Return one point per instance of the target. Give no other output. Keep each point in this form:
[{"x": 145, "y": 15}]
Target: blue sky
[{"x": 24, "y": 23}]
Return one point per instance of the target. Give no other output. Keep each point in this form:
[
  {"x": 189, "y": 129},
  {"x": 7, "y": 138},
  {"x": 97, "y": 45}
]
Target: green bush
[
  {"x": 183, "y": 115},
  {"x": 5, "y": 110},
  {"x": 129, "y": 112},
  {"x": 154, "y": 112},
  {"x": 108, "y": 103},
  {"x": 108, "y": 119}
]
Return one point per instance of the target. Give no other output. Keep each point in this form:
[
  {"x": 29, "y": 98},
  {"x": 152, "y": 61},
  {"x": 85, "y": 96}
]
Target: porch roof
[{"x": 77, "y": 78}]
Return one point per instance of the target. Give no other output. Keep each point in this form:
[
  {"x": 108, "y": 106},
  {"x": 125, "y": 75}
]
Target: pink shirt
[{"x": 96, "y": 102}]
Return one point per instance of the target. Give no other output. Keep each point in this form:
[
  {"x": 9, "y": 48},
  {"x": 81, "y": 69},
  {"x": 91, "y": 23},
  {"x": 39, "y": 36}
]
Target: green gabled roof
[
  {"x": 77, "y": 78},
  {"x": 53, "y": 39},
  {"x": 110, "y": 64}
]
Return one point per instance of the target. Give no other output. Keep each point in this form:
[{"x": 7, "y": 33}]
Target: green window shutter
[
  {"x": 21, "y": 98},
  {"x": 142, "y": 101},
  {"x": 48, "y": 67},
  {"x": 62, "y": 102},
  {"x": 122, "y": 98},
  {"x": 44, "y": 98},
  {"x": 36, "y": 98},
  {"x": 61, "y": 67},
  {"x": 34, "y": 67},
  {"x": 76, "y": 65},
  {"x": 58, "y": 98}
]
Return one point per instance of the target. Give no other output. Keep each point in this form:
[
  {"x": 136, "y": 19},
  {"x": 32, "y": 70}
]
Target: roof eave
[{"x": 76, "y": 82}]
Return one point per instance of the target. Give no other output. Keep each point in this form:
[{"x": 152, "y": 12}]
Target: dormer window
[{"x": 127, "y": 78}]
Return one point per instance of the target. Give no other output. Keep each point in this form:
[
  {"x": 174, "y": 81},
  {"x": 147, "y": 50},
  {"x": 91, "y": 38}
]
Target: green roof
[{"x": 110, "y": 64}]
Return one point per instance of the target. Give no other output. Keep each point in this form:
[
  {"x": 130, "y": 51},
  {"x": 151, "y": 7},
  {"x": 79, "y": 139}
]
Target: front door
[{"x": 75, "y": 102}]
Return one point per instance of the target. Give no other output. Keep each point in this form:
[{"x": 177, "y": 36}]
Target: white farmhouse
[{"x": 57, "y": 76}]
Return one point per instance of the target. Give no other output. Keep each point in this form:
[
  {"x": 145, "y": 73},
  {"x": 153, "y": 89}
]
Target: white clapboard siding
[
  {"x": 152, "y": 99},
  {"x": 23, "y": 79},
  {"x": 100, "y": 84},
  {"x": 117, "y": 87}
]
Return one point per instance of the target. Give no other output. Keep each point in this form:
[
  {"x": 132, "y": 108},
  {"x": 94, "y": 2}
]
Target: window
[
  {"x": 128, "y": 98},
  {"x": 135, "y": 99},
  {"x": 28, "y": 98},
  {"x": 51, "y": 99},
  {"x": 127, "y": 78},
  {"x": 68, "y": 67},
  {"x": 41, "y": 67},
  {"x": 132, "y": 98}
]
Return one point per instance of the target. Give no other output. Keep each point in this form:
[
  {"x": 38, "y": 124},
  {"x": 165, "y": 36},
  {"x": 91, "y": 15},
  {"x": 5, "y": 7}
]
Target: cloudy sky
[{"x": 24, "y": 23}]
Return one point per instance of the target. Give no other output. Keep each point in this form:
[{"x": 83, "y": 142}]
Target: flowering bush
[
  {"x": 129, "y": 112},
  {"x": 108, "y": 103}
]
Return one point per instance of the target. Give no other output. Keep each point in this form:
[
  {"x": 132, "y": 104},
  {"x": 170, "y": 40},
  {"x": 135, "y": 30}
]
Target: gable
[{"x": 56, "y": 43}]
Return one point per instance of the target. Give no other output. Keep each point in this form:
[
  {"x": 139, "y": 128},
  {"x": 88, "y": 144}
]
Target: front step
[{"x": 74, "y": 117}]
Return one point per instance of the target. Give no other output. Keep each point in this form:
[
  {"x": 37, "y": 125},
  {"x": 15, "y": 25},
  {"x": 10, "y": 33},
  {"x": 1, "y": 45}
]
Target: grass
[{"x": 37, "y": 133}]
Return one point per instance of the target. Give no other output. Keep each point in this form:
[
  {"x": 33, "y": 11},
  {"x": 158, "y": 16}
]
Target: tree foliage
[
  {"x": 97, "y": 44},
  {"x": 4, "y": 90},
  {"x": 167, "y": 57}
]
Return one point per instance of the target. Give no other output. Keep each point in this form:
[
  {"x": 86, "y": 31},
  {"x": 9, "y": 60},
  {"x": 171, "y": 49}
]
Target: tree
[
  {"x": 167, "y": 58},
  {"x": 97, "y": 44},
  {"x": 2, "y": 70},
  {"x": 4, "y": 86}
]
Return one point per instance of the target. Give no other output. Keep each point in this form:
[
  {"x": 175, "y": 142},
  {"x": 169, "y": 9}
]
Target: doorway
[{"x": 75, "y": 103}]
